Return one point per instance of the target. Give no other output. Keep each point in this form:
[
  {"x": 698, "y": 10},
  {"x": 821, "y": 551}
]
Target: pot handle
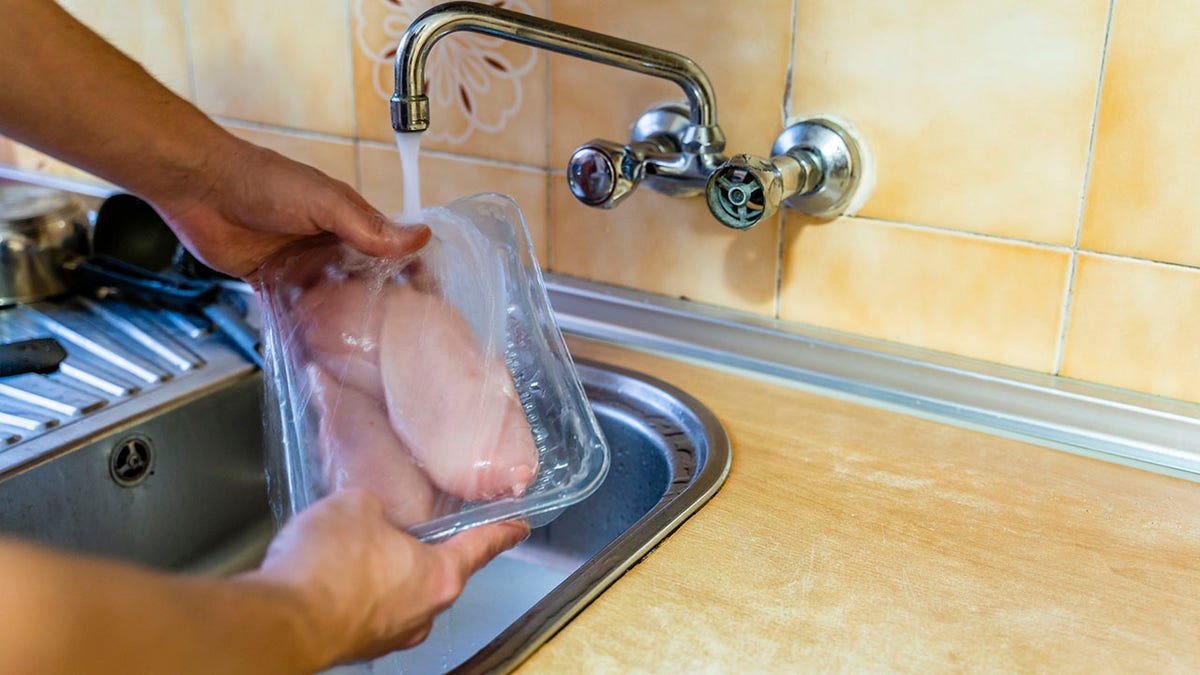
[
  {"x": 244, "y": 337},
  {"x": 106, "y": 271},
  {"x": 39, "y": 355}
]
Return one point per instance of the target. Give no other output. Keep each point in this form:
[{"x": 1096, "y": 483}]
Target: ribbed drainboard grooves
[{"x": 114, "y": 351}]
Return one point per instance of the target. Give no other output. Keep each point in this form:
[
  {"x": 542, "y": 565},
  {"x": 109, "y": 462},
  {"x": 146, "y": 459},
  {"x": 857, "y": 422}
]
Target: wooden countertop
[{"x": 855, "y": 539}]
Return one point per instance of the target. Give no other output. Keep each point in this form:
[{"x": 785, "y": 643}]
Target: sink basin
[
  {"x": 171, "y": 489},
  {"x": 669, "y": 456},
  {"x": 164, "y": 487}
]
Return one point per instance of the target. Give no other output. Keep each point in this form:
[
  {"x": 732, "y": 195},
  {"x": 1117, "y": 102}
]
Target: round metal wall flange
[
  {"x": 131, "y": 460},
  {"x": 841, "y": 161},
  {"x": 668, "y": 120},
  {"x": 666, "y": 124}
]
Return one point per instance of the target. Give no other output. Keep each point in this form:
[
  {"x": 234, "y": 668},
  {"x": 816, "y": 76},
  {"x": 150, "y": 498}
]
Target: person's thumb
[
  {"x": 473, "y": 549},
  {"x": 370, "y": 232}
]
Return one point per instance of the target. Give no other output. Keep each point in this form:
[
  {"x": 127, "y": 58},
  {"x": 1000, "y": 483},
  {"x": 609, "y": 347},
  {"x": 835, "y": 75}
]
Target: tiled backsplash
[{"x": 1034, "y": 206}]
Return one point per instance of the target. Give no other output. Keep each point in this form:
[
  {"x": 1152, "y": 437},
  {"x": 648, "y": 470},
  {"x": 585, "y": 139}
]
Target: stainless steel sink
[
  {"x": 669, "y": 456},
  {"x": 179, "y": 485},
  {"x": 198, "y": 505}
]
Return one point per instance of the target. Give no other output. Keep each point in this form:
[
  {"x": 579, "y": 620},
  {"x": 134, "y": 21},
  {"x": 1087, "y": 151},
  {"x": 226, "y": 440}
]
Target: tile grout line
[
  {"x": 293, "y": 131},
  {"x": 785, "y": 111},
  {"x": 1073, "y": 265},
  {"x": 785, "y": 107},
  {"x": 371, "y": 143},
  {"x": 778, "y": 306},
  {"x": 476, "y": 160},
  {"x": 358, "y": 172},
  {"x": 550, "y": 229},
  {"x": 967, "y": 234},
  {"x": 1145, "y": 261},
  {"x": 189, "y": 52}
]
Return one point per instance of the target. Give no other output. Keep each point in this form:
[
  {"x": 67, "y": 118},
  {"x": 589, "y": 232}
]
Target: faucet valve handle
[
  {"x": 602, "y": 173},
  {"x": 744, "y": 190},
  {"x": 817, "y": 167}
]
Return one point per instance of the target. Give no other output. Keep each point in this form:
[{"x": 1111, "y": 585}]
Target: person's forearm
[
  {"x": 70, "y": 94},
  {"x": 64, "y": 614}
]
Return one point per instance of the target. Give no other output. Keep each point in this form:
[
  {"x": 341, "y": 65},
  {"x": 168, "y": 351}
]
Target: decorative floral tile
[
  {"x": 487, "y": 95},
  {"x": 983, "y": 298}
]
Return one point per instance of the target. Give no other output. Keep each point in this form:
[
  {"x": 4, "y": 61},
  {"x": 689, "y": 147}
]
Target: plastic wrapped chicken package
[{"x": 439, "y": 381}]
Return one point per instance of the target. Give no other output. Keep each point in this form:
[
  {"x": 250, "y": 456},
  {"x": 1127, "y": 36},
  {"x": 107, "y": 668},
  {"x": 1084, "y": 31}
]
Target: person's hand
[
  {"x": 365, "y": 587},
  {"x": 243, "y": 203},
  {"x": 406, "y": 402}
]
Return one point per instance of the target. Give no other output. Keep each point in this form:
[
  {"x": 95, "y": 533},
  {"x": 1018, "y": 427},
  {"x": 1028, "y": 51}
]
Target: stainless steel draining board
[{"x": 119, "y": 354}]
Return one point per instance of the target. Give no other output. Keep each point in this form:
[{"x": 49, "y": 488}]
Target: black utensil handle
[
  {"x": 245, "y": 338},
  {"x": 39, "y": 355},
  {"x": 109, "y": 272}
]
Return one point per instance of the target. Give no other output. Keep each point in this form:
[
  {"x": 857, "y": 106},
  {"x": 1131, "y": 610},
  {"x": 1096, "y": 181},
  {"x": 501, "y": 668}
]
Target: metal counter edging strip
[{"x": 1114, "y": 425}]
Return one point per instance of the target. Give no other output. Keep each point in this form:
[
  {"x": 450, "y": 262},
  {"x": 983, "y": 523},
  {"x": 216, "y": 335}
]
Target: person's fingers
[
  {"x": 373, "y": 234},
  {"x": 416, "y": 637},
  {"x": 357, "y": 449},
  {"x": 471, "y": 550},
  {"x": 357, "y": 503}
]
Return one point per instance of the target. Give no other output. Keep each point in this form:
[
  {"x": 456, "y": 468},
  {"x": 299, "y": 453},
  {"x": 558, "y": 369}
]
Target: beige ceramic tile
[
  {"x": 334, "y": 157},
  {"x": 742, "y": 46},
  {"x": 665, "y": 245},
  {"x": 8, "y": 151},
  {"x": 1135, "y": 324},
  {"x": 445, "y": 178},
  {"x": 978, "y": 114},
  {"x": 149, "y": 31},
  {"x": 1142, "y": 198},
  {"x": 487, "y": 96},
  {"x": 280, "y": 62},
  {"x": 28, "y": 159},
  {"x": 652, "y": 242},
  {"x": 983, "y": 298}
]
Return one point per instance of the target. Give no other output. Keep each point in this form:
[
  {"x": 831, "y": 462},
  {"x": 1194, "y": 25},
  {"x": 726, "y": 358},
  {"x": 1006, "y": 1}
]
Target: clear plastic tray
[{"x": 440, "y": 381}]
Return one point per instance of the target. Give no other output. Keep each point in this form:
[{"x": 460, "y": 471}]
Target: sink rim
[{"x": 680, "y": 501}]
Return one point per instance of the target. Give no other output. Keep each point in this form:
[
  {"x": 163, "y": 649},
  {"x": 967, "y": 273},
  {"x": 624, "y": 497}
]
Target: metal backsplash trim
[{"x": 1110, "y": 424}]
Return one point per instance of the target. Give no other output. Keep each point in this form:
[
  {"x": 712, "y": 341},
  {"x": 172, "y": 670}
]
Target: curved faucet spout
[{"x": 410, "y": 105}]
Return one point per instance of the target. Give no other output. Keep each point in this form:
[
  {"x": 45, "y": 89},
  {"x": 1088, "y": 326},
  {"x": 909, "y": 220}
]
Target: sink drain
[{"x": 131, "y": 460}]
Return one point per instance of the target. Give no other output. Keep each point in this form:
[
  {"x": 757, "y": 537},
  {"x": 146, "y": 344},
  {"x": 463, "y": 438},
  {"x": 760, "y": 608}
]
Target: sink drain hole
[{"x": 130, "y": 460}]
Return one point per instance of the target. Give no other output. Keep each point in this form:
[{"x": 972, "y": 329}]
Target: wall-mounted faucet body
[
  {"x": 410, "y": 105},
  {"x": 675, "y": 149},
  {"x": 817, "y": 167},
  {"x": 679, "y": 163}
]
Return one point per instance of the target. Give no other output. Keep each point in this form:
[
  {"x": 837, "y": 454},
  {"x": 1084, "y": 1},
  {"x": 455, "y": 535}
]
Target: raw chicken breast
[
  {"x": 358, "y": 449},
  {"x": 341, "y": 322},
  {"x": 452, "y": 406},
  {"x": 456, "y": 408}
]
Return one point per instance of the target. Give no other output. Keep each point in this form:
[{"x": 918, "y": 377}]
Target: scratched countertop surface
[{"x": 850, "y": 538}]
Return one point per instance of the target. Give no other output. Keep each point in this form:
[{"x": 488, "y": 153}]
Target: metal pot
[
  {"x": 41, "y": 230},
  {"x": 45, "y": 247}
]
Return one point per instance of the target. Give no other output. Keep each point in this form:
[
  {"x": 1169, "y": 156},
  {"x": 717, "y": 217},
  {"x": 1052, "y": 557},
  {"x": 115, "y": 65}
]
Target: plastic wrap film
[{"x": 439, "y": 381}]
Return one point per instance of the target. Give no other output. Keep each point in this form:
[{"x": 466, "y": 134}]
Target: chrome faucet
[
  {"x": 677, "y": 151},
  {"x": 675, "y": 148}
]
